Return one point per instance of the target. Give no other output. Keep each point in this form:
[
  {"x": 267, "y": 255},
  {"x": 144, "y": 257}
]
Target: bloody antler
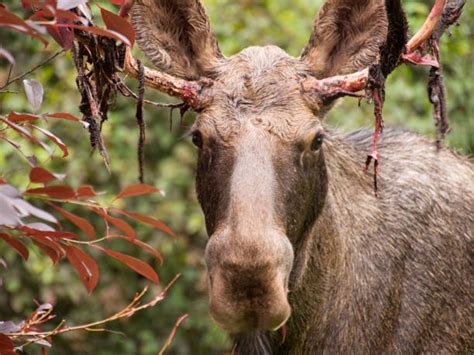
[
  {"x": 349, "y": 85},
  {"x": 323, "y": 90},
  {"x": 191, "y": 92},
  {"x": 425, "y": 32},
  {"x": 372, "y": 80}
]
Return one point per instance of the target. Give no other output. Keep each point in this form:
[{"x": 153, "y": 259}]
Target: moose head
[{"x": 262, "y": 175}]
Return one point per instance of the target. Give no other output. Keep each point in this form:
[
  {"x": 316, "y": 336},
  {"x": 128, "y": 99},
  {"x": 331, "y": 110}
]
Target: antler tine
[
  {"x": 323, "y": 90},
  {"x": 429, "y": 26},
  {"x": 191, "y": 92}
]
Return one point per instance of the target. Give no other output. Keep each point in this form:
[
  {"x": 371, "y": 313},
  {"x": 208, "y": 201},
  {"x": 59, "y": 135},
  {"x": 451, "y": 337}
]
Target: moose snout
[{"x": 248, "y": 282}]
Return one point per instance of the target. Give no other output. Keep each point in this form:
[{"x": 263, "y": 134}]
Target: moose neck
[{"x": 330, "y": 248}]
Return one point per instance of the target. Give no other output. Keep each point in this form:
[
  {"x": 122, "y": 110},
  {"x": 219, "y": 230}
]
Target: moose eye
[
  {"x": 196, "y": 138},
  {"x": 317, "y": 142}
]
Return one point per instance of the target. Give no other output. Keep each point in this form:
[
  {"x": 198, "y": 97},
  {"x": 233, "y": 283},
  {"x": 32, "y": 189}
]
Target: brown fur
[
  {"x": 176, "y": 36},
  {"x": 346, "y": 35},
  {"x": 366, "y": 274}
]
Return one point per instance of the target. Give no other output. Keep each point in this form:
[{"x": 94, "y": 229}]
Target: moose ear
[
  {"x": 176, "y": 36},
  {"x": 347, "y": 36}
]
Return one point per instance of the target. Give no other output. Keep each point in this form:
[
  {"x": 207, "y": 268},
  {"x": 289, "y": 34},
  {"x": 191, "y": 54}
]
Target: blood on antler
[
  {"x": 372, "y": 80},
  {"x": 334, "y": 87},
  {"x": 348, "y": 85}
]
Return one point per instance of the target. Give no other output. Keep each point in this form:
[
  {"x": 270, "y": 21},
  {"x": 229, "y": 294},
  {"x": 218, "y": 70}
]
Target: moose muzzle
[{"x": 248, "y": 280}]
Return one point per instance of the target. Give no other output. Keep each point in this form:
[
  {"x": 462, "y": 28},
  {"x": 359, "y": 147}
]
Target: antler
[
  {"x": 323, "y": 90},
  {"x": 372, "y": 79},
  {"x": 348, "y": 85},
  {"x": 191, "y": 92},
  {"x": 425, "y": 32}
]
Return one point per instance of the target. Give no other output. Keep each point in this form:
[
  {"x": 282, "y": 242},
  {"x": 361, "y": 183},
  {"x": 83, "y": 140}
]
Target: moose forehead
[{"x": 259, "y": 87}]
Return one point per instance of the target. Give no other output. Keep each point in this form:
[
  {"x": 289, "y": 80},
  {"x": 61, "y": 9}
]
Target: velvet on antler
[
  {"x": 322, "y": 91},
  {"x": 192, "y": 93},
  {"x": 333, "y": 87}
]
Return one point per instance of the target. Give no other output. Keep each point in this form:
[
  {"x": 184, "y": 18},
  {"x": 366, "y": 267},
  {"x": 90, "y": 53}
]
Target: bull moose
[{"x": 297, "y": 236}]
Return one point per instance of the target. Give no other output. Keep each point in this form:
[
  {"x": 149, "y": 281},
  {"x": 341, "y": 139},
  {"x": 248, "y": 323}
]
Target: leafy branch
[{"x": 26, "y": 334}]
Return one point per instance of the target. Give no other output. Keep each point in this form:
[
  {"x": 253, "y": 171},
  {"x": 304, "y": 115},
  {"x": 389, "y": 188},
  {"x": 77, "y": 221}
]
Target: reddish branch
[{"x": 29, "y": 333}]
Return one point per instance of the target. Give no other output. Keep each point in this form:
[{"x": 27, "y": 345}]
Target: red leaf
[
  {"x": 6, "y": 345},
  {"x": 142, "y": 245},
  {"x": 63, "y": 36},
  {"x": 54, "y": 139},
  {"x": 16, "y": 244},
  {"x": 80, "y": 222},
  {"x": 64, "y": 115},
  {"x": 86, "y": 191},
  {"x": 118, "y": 24},
  {"x": 135, "y": 264},
  {"x": 62, "y": 192},
  {"x": 22, "y": 117},
  {"x": 45, "y": 11},
  {"x": 41, "y": 175},
  {"x": 49, "y": 247},
  {"x": 148, "y": 220},
  {"x": 118, "y": 223},
  {"x": 85, "y": 265},
  {"x": 100, "y": 31},
  {"x": 7, "y": 19},
  {"x": 7, "y": 55},
  {"x": 136, "y": 190},
  {"x": 117, "y": 2},
  {"x": 34, "y": 230},
  {"x": 25, "y": 133}
]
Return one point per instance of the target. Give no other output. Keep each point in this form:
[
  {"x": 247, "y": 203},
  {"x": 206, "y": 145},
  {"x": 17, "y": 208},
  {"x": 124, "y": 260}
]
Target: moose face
[
  {"x": 258, "y": 183},
  {"x": 261, "y": 177}
]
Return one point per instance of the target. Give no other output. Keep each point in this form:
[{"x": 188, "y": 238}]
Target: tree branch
[{"x": 46, "y": 61}]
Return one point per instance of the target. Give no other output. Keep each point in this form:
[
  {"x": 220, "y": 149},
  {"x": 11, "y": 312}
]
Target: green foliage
[{"x": 170, "y": 165}]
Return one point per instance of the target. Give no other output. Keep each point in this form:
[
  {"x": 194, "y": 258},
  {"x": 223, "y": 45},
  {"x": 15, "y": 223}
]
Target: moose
[{"x": 297, "y": 238}]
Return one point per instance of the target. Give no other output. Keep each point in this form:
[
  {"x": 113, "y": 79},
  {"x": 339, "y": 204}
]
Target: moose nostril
[{"x": 243, "y": 303}]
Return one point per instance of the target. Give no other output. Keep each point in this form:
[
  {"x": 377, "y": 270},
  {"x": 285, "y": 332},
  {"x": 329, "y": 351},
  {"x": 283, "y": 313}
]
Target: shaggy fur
[
  {"x": 296, "y": 224},
  {"x": 346, "y": 36},
  {"x": 176, "y": 36}
]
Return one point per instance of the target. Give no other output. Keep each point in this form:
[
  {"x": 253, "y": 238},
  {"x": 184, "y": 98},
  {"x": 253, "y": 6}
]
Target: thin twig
[
  {"x": 129, "y": 310},
  {"x": 171, "y": 335},
  {"x": 46, "y": 61},
  {"x": 127, "y": 92},
  {"x": 86, "y": 242}
]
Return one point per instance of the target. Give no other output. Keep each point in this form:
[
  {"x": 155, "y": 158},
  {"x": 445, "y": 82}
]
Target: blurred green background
[{"x": 170, "y": 165}]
